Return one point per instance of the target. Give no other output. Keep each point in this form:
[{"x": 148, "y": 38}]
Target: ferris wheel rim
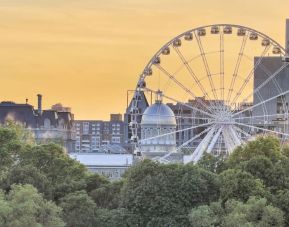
[{"x": 158, "y": 53}]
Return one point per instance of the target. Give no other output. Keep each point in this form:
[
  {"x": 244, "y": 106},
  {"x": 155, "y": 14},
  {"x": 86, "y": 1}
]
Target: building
[
  {"x": 100, "y": 136},
  {"x": 112, "y": 166},
  {"x": 59, "y": 108},
  {"x": 186, "y": 117},
  {"x": 158, "y": 119},
  {"x": 46, "y": 125},
  {"x": 142, "y": 105},
  {"x": 275, "y": 109}
]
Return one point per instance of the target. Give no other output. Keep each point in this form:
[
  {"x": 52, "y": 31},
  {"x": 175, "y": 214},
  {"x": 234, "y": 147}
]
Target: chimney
[
  {"x": 39, "y": 104},
  {"x": 287, "y": 37}
]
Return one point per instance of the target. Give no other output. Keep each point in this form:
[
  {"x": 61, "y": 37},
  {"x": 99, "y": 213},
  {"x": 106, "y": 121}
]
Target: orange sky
[{"x": 86, "y": 54}]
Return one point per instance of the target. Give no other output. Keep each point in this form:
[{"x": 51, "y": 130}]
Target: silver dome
[{"x": 158, "y": 114}]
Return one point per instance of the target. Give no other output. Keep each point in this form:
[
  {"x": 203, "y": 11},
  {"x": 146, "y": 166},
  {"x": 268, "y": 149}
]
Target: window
[
  {"x": 47, "y": 123},
  {"x": 95, "y": 142},
  {"x": 85, "y": 127},
  {"x": 115, "y": 139}
]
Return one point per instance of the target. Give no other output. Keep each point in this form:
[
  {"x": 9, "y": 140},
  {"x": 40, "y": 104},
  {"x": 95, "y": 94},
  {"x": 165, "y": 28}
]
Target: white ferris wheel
[{"x": 226, "y": 85}]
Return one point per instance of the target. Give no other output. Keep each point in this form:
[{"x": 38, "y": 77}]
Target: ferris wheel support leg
[
  {"x": 197, "y": 154},
  {"x": 235, "y": 137},
  {"x": 214, "y": 140},
  {"x": 227, "y": 140}
]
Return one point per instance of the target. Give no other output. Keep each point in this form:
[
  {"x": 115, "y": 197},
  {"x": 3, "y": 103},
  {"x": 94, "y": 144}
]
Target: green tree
[
  {"x": 94, "y": 181},
  {"x": 253, "y": 213},
  {"x": 64, "y": 174},
  {"x": 78, "y": 210},
  {"x": 256, "y": 212},
  {"x": 116, "y": 218},
  {"x": 27, "y": 175},
  {"x": 156, "y": 192},
  {"x": 240, "y": 185},
  {"x": 10, "y": 147},
  {"x": 25, "y": 207},
  {"x": 203, "y": 216},
  {"x": 281, "y": 200},
  {"x": 22, "y": 133},
  {"x": 263, "y": 146},
  {"x": 260, "y": 167},
  {"x": 212, "y": 163},
  {"x": 108, "y": 195}
]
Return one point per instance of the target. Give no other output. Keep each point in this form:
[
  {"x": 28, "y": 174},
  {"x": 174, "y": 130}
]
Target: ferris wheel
[{"x": 226, "y": 84}]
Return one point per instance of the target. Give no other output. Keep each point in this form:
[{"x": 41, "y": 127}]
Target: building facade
[
  {"x": 276, "y": 109},
  {"x": 46, "y": 125},
  {"x": 112, "y": 166},
  {"x": 142, "y": 105},
  {"x": 100, "y": 136},
  {"x": 158, "y": 119}
]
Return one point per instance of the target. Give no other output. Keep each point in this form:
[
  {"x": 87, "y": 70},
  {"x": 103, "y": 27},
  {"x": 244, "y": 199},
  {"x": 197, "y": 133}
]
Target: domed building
[{"x": 158, "y": 127}]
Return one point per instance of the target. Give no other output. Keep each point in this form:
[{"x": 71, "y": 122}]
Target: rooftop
[{"x": 95, "y": 159}]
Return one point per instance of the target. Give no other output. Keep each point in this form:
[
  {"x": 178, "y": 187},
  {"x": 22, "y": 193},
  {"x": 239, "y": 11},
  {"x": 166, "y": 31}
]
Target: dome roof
[{"x": 158, "y": 114}]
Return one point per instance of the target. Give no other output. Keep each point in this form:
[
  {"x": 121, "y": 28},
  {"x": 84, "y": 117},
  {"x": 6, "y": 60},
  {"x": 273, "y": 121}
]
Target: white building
[
  {"x": 158, "y": 130},
  {"x": 112, "y": 166}
]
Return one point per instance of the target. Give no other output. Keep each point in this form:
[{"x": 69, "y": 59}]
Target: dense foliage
[{"x": 41, "y": 186}]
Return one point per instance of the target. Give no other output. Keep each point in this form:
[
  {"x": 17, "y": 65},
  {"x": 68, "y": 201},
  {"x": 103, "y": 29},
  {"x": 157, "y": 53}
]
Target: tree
[
  {"x": 64, "y": 174},
  {"x": 253, "y": 213},
  {"x": 115, "y": 218},
  {"x": 238, "y": 184},
  {"x": 203, "y": 216},
  {"x": 260, "y": 167},
  {"x": 155, "y": 192},
  {"x": 211, "y": 163},
  {"x": 108, "y": 195},
  {"x": 268, "y": 146},
  {"x": 22, "y": 133},
  {"x": 10, "y": 147},
  {"x": 25, "y": 207},
  {"x": 281, "y": 200},
  {"x": 78, "y": 210},
  {"x": 27, "y": 175},
  {"x": 256, "y": 212},
  {"x": 94, "y": 181}
]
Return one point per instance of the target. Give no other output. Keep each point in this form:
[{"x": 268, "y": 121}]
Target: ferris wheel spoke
[
  {"x": 192, "y": 139},
  {"x": 263, "y": 105},
  {"x": 251, "y": 73},
  {"x": 273, "y": 78},
  {"x": 179, "y": 117},
  {"x": 265, "y": 82},
  {"x": 260, "y": 103},
  {"x": 201, "y": 148},
  {"x": 182, "y": 103},
  {"x": 209, "y": 75},
  {"x": 214, "y": 140},
  {"x": 242, "y": 131},
  {"x": 191, "y": 72},
  {"x": 220, "y": 144},
  {"x": 262, "y": 129},
  {"x": 187, "y": 90},
  {"x": 236, "y": 70},
  {"x": 184, "y": 144},
  {"x": 268, "y": 73},
  {"x": 222, "y": 65},
  {"x": 262, "y": 116},
  {"x": 230, "y": 138},
  {"x": 180, "y": 130}
]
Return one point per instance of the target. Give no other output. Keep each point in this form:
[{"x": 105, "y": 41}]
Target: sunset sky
[{"x": 87, "y": 53}]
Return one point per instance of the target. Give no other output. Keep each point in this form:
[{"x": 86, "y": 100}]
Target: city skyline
[{"x": 87, "y": 54}]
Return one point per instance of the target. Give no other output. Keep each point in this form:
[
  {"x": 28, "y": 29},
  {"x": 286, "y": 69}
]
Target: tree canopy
[{"x": 41, "y": 186}]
